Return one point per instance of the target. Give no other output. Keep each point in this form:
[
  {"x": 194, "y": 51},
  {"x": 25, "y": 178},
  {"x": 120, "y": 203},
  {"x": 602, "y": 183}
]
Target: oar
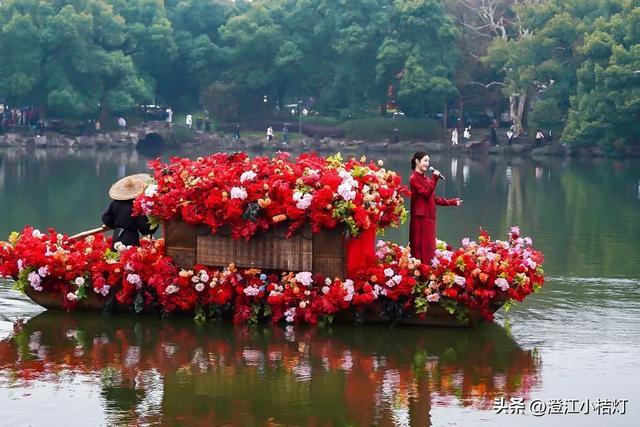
[{"x": 89, "y": 233}]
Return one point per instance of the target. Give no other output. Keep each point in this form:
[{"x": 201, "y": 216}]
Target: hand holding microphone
[{"x": 437, "y": 172}]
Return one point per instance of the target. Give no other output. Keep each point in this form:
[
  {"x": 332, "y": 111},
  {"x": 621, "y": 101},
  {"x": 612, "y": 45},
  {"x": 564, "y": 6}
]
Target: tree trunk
[
  {"x": 445, "y": 114},
  {"x": 460, "y": 125},
  {"x": 42, "y": 111},
  {"x": 516, "y": 111}
]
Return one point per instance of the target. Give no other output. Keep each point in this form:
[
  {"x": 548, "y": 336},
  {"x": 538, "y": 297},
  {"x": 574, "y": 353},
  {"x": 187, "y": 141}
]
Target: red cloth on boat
[
  {"x": 422, "y": 226},
  {"x": 361, "y": 250}
]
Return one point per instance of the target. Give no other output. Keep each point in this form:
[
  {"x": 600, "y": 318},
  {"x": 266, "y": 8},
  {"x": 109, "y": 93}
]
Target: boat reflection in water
[{"x": 150, "y": 371}]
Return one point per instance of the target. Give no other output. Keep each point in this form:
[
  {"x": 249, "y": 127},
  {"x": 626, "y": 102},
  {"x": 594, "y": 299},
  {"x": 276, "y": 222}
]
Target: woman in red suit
[{"x": 422, "y": 226}]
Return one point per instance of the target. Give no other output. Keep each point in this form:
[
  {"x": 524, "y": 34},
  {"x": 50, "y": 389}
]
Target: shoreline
[{"x": 129, "y": 139}]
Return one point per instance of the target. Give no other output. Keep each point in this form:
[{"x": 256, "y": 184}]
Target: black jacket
[{"x": 126, "y": 227}]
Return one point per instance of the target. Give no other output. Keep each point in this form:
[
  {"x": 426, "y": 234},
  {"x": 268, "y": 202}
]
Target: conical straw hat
[{"x": 130, "y": 186}]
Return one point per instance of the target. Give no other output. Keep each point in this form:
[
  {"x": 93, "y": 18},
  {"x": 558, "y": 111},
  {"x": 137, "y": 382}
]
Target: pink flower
[
  {"x": 433, "y": 297},
  {"x": 502, "y": 283}
]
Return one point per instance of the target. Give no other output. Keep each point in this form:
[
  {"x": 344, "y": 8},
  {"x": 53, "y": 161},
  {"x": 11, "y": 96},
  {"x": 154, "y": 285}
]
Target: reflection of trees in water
[{"x": 184, "y": 373}]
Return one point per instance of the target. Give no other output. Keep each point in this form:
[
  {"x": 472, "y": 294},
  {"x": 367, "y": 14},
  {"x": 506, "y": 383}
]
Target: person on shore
[
  {"x": 269, "y": 134},
  {"x": 285, "y": 135},
  {"x": 539, "y": 138},
  {"x": 422, "y": 225},
  {"x": 454, "y": 136},
  {"x": 509, "y": 137},
  {"x": 466, "y": 135},
  {"x": 122, "y": 123},
  {"x": 118, "y": 215},
  {"x": 236, "y": 134},
  {"x": 494, "y": 133},
  {"x": 188, "y": 121}
]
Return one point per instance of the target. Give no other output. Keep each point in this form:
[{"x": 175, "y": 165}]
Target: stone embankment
[{"x": 160, "y": 133}]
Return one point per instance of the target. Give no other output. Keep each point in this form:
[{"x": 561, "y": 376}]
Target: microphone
[{"x": 432, "y": 169}]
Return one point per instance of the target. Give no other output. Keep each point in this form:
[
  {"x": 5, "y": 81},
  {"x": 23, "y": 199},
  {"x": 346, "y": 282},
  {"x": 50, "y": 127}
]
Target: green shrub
[{"x": 319, "y": 120}]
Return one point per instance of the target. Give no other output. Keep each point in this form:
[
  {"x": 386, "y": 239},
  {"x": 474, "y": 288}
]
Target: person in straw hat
[{"x": 119, "y": 213}]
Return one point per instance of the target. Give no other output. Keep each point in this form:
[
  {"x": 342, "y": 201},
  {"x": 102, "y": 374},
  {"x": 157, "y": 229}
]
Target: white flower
[
  {"x": 290, "y": 314},
  {"x": 530, "y": 263},
  {"x": 515, "y": 230},
  {"x": 43, "y": 271},
  {"x": 204, "y": 277},
  {"x": 528, "y": 241},
  {"x": 391, "y": 283},
  {"x": 345, "y": 191},
  {"x": 20, "y": 264},
  {"x": 247, "y": 176},
  {"x": 302, "y": 304},
  {"x": 460, "y": 280},
  {"x": 251, "y": 291},
  {"x": 502, "y": 283},
  {"x": 72, "y": 296},
  {"x": 79, "y": 281},
  {"x": 36, "y": 233},
  {"x": 104, "y": 291},
  {"x": 171, "y": 289},
  {"x": 134, "y": 279},
  {"x": 303, "y": 201},
  {"x": 466, "y": 242},
  {"x": 397, "y": 278},
  {"x": 325, "y": 290},
  {"x": 195, "y": 279},
  {"x": 389, "y": 272},
  {"x": 305, "y": 277},
  {"x": 238, "y": 193},
  {"x": 327, "y": 281},
  {"x": 151, "y": 190},
  {"x": 200, "y": 287},
  {"x": 348, "y": 286},
  {"x": 119, "y": 246}
]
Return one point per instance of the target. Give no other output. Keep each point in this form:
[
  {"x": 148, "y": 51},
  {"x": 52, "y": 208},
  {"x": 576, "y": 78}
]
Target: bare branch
[{"x": 487, "y": 86}]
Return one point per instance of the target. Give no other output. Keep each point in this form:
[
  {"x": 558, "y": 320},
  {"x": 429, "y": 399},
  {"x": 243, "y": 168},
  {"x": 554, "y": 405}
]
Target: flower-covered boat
[{"x": 346, "y": 202}]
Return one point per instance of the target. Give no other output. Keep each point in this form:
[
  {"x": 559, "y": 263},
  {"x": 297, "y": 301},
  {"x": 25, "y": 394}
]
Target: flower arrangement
[
  {"x": 254, "y": 194},
  {"x": 473, "y": 277},
  {"x": 481, "y": 273}
]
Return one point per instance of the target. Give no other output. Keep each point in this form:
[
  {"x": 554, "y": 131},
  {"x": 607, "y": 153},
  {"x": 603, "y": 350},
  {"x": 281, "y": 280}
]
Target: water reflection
[{"x": 177, "y": 372}]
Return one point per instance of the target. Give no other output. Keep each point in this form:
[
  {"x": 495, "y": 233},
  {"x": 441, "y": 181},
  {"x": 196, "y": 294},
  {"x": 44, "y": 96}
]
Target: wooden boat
[
  {"x": 324, "y": 253},
  {"x": 375, "y": 313}
]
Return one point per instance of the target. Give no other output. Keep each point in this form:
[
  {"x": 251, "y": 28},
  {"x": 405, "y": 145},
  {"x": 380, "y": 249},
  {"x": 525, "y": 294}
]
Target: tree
[
  {"x": 66, "y": 57},
  {"x": 418, "y": 54},
  {"x": 606, "y": 106}
]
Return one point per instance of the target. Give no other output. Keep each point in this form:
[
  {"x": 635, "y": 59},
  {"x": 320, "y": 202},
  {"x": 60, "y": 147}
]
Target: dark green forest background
[{"x": 568, "y": 65}]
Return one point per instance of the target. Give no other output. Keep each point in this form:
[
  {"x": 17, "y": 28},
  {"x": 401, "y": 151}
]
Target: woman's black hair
[{"x": 417, "y": 156}]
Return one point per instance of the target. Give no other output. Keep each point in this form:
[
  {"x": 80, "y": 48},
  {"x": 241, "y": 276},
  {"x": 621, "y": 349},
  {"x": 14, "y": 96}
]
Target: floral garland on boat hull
[{"x": 473, "y": 277}]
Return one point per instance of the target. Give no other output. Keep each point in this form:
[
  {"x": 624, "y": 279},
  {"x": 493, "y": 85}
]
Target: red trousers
[{"x": 422, "y": 236}]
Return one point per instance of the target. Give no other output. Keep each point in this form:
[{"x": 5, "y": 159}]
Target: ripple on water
[
  {"x": 595, "y": 319},
  {"x": 14, "y": 305}
]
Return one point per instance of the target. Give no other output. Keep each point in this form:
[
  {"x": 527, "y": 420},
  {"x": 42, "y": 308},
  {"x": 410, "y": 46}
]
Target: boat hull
[{"x": 436, "y": 314}]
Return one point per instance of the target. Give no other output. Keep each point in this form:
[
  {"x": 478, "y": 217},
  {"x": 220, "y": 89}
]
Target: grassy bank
[{"x": 380, "y": 128}]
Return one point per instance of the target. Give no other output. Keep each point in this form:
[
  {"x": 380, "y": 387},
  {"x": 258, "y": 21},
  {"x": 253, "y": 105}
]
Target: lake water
[{"x": 572, "y": 348}]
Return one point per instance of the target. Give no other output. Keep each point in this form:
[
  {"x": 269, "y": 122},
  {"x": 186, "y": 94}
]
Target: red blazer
[{"x": 423, "y": 199}]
